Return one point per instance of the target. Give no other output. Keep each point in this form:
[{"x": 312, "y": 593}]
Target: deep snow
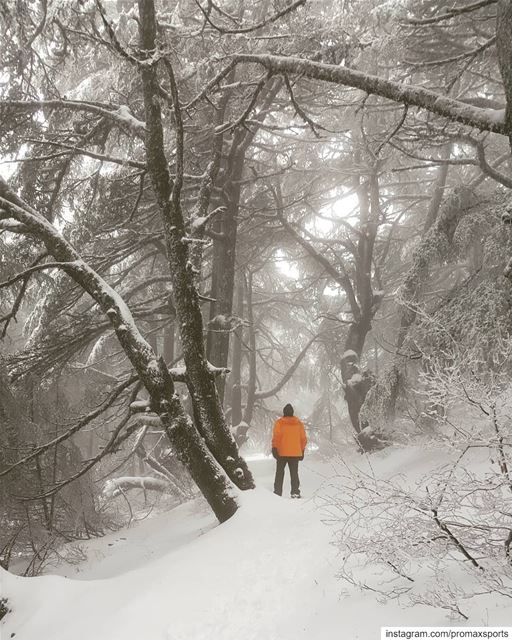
[{"x": 269, "y": 573}]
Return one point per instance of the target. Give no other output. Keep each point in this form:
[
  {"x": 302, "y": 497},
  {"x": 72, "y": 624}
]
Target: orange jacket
[{"x": 289, "y": 437}]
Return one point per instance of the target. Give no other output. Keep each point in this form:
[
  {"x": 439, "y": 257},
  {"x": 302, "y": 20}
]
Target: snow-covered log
[
  {"x": 140, "y": 406},
  {"x": 116, "y": 486}
]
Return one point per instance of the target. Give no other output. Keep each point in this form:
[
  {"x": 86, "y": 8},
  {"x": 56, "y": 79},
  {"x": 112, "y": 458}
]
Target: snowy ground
[{"x": 269, "y": 573}]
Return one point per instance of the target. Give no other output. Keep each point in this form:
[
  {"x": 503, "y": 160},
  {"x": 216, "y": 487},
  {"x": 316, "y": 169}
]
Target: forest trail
[{"x": 269, "y": 573}]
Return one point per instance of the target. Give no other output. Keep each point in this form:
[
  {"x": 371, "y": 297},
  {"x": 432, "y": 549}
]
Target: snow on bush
[{"x": 446, "y": 536}]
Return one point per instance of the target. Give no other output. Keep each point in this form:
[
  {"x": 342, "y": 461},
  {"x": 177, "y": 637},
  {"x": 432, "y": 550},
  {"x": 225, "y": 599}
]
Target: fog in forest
[{"x": 241, "y": 244}]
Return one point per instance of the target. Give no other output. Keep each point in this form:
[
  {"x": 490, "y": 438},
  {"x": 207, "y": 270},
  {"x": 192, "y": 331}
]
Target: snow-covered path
[{"x": 269, "y": 573}]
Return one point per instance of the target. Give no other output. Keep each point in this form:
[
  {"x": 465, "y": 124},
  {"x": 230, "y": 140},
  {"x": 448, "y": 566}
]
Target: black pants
[{"x": 293, "y": 465}]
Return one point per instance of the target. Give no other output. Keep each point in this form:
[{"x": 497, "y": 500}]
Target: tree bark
[
  {"x": 251, "y": 382},
  {"x": 168, "y": 347},
  {"x": 236, "y": 365},
  {"x": 223, "y": 271},
  {"x": 504, "y": 48}
]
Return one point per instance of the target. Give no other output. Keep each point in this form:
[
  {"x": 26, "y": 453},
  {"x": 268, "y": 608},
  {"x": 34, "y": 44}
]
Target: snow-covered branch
[
  {"x": 448, "y": 14},
  {"x": 120, "y": 115},
  {"x": 413, "y": 95},
  {"x": 273, "y": 18}
]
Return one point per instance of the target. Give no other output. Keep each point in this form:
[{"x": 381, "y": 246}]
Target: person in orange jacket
[{"x": 288, "y": 444}]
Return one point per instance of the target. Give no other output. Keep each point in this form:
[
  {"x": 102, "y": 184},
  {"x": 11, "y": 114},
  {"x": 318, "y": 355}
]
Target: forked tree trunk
[
  {"x": 358, "y": 382},
  {"x": 208, "y": 409}
]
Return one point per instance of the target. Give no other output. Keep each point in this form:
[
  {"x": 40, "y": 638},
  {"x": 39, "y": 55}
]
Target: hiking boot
[{"x": 295, "y": 495}]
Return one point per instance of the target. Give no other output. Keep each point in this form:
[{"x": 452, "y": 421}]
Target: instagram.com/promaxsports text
[{"x": 452, "y": 633}]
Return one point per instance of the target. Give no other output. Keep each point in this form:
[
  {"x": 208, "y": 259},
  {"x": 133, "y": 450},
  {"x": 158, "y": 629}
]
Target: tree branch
[
  {"x": 412, "y": 95},
  {"x": 261, "y": 395},
  {"x": 79, "y": 425},
  {"x": 259, "y": 25},
  {"x": 342, "y": 279},
  {"x": 451, "y": 13},
  {"x": 91, "y": 154},
  {"x": 120, "y": 114}
]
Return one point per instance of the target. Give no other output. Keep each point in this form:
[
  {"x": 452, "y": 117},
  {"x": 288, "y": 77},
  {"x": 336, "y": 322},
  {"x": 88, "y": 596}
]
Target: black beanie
[{"x": 288, "y": 410}]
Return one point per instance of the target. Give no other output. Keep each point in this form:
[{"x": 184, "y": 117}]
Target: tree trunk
[
  {"x": 223, "y": 278},
  {"x": 169, "y": 343},
  {"x": 208, "y": 408},
  {"x": 236, "y": 365},
  {"x": 251, "y": 383},
  {"x": 224, "y": 248},
  {"x": 381, "y": 404},
  {"x": 12, "y": 420},
  {"x": 358, "y": 382},
  {"x": 504, "y": 48},
  {"x": 439, "y": 188}
]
